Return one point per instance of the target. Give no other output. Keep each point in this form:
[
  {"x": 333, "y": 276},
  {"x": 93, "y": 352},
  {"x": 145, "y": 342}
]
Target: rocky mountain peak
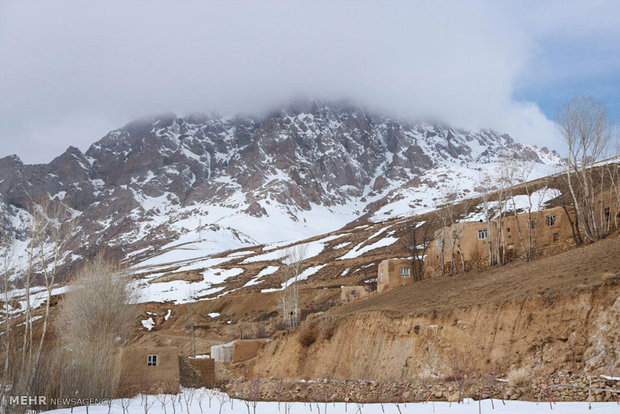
[{"x": 159, "y": 178}]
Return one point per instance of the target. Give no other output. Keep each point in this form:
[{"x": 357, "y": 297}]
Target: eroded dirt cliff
[{"x": 547, "y": 321}]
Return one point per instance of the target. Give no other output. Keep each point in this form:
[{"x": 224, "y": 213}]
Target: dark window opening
[{"x": 151, "y": 360}]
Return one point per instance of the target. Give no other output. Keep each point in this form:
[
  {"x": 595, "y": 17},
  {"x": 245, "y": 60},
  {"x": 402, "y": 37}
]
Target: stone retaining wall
[{"x": 557, "y": 388}]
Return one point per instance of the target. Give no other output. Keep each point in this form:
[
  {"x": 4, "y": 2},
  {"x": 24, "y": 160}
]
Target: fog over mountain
[
  {"x": 229, "y": 182},
  {"x": 72, "y": 71}
]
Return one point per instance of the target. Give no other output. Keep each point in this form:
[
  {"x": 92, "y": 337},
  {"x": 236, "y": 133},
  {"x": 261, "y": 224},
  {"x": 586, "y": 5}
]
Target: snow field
[{"x": 206, "y": 401}]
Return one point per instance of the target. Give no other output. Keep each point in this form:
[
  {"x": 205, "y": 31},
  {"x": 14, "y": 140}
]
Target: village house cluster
[{"x": 466, "y": 245}]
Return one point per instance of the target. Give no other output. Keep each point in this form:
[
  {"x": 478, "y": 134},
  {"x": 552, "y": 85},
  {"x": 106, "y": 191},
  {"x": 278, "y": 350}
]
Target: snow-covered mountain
[{"x": 226, "y": 182}]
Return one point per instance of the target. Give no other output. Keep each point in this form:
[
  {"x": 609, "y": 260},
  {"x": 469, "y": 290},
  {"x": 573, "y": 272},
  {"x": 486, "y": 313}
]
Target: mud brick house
[
  {"x": 549, "y": 228},
  {"x": 393, "y": 273},
  {"x": 348, "y": 293},
  {"x": 237, "y": 351},
  {"x": 149, "y": 370}
]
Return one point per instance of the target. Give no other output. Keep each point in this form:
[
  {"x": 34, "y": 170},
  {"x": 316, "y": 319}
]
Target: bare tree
[
  {"x": 443, "y": 237},
  {"x": 289, "y": 299},
  {"x": 6, "y": 338},
  {"x": 518, "y": 175},
  {"x": 416, "y": 240},
  {"x": 501, "y": 198},
  {"x": 614, "y": 193},
  {"x": 95, "y": 317},
  {"x": 457, "y": 232},
  {"x": 451, "y": 233},
  {"x": 585, "y": 127},
  {"x": 59, "y": 227},
  {"x": 486, "y": 188},
  {"x": 190, "y": 308}
]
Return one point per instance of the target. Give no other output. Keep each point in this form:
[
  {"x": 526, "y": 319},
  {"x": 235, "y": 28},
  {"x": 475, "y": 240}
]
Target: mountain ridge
[{"x": 241, "y": 180}]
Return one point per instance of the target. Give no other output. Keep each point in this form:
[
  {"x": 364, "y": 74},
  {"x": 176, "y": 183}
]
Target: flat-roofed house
[
  {"x": 392, "y": 273},
  {"x": 148, "y": 370},
  {"x": 470, "y": 240}
]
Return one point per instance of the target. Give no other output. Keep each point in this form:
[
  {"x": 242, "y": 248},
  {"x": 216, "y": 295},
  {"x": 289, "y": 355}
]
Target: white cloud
[{"x": 72, "y": 70}]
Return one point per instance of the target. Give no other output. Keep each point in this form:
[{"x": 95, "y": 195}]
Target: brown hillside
[
  {"x": 559, "y": 313},
  {"x": 579, "y": 268}
]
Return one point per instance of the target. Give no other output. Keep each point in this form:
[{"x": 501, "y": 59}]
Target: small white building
[{"x": 222, "y": 352}]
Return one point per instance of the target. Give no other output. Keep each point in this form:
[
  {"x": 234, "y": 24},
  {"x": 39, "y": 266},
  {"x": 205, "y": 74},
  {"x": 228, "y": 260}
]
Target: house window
[
  {"x": 151, "y": 361},
  {"x": 404, "y": 272},
  {"x": 482, "y": 234},
  {"x": 381, "y": 277},
  {"x": 556, "y": 237},
  {"x": 550, "y": 221},
  {"x": 607, "y": 214},
  {"x": 353, "y": 292},
  {"x": 507, "y": 229}
]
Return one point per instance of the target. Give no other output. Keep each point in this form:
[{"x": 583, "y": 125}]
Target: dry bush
[
  {"x": 327, "y": 327},
  {"x": 317, "y": 308},
  {"x": 308, "y": 334},
  {"x": 251, "y": 330},
  {"x": 95, "y": 318},
  {"x": 277, "y": 326},
  {"x": 519, "y": 378}
]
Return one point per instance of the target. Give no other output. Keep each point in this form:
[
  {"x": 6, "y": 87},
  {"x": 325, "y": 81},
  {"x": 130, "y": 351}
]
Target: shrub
[
  {"x": 308, "y": 334},
  {"x": 519, "y": 378},
  {"x": 328, "y": 327}
]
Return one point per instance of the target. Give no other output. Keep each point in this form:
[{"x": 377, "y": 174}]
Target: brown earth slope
[{"x": 559, "y": 313}]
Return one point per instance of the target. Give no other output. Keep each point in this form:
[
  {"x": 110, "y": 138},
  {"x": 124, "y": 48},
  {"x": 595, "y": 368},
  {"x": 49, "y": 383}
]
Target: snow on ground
[
  {"x": 148, "y": 324},
  {"x": 522, "y": 202},
  {"x": 310, "y": 249},
  {"x": 269, "y": 270},
  {"x": 38, "y": 296},
  {"x": 182, "y": 291},
  {"x": 357, "y": 251},
  {"x": 197, "y": 401},
  {"x": 302, "y": 276},
  {"x": 208, "y": 229},
  {"x": 436, "y": 182}
]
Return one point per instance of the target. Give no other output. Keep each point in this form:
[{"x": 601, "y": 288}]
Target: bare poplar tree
[
  {"x": 6, "y": 337},
  {"x": 442, "y": 237},
  {"x": 190, "y": 308},
  {"x": 95, "y": 317},
  {"x": 486, "y": 189},
  {"x": 517, "y": 174},
  {"x": 416, "y": 240},
  {"x": 58, "y": 229},
  {"x": 289, "y": 298},
  {"x": 613, "y": 171},
  {"x": 586, "y": 129},
  {"x": 501, "y": 197}
]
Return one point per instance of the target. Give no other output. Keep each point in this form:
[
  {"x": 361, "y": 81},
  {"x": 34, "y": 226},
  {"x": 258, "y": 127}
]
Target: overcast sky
[{"x": 72, "y": 71}]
